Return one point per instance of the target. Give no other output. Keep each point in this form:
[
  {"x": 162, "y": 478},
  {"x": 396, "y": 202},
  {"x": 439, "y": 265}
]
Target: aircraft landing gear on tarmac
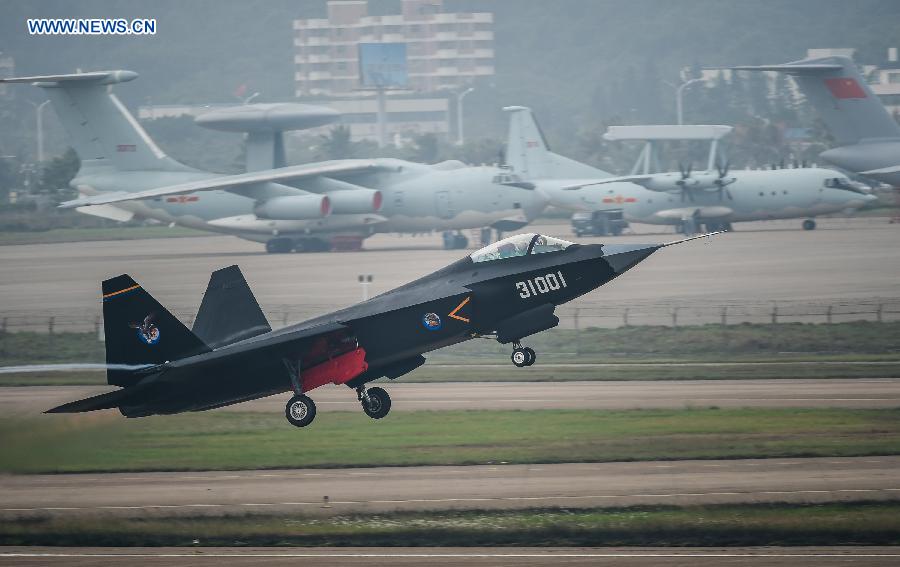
[
  {"x": 300, "y": 410},
  {"x": 279, "y": 246},
  {"x": 455, "y": 240},
  {"x": 375, "y": 401},
  {"x": 809, "y": 224},
  {"x": 522, "y": 356}
]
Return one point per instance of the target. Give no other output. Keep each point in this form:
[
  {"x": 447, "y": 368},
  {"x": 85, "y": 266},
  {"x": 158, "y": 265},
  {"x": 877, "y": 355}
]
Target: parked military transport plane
[
  {"x": 506, "y": 291},
  {"x": 309, "y": 207},
  {"x": 868, "y": 137},
  {"x": 688, "y": 199}
]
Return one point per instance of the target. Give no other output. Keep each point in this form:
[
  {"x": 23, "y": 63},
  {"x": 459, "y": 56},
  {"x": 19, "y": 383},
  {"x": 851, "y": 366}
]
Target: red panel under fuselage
[{"x": 337, "y": 370}]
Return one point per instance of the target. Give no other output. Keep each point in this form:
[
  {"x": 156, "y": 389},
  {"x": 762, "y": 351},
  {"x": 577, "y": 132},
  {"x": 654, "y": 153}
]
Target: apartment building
[{"x": 445, "y": 51}]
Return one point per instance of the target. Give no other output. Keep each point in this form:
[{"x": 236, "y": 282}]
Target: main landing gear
[
  {"x": 522, "y": 356},
  {"x": 300, "y": 410}
]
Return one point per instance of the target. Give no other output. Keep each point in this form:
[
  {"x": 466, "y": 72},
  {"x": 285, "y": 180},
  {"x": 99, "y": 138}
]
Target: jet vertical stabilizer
[
  {"x": 140, "y": 332},
  {"x": 100, "y": 128},
  {"x": 229, "y": 312},
  {"x": 528, "y": 153},
  {"x": 841, "y": 95}
]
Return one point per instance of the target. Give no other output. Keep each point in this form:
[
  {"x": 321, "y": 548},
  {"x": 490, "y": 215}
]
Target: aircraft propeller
[
  {"x": 721, "y": 182},
  {"x": 685, "y": 175}
]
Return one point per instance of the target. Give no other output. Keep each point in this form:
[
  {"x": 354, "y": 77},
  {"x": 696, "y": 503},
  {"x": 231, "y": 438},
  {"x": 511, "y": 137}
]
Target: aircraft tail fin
[
  {"x": 229, "y": 311},
  {"x": 100, "y": 129},
  {"x": 528, "y": 153},
  {"x": 140, "y": 332},
  {"x": 835, "y": 87}
]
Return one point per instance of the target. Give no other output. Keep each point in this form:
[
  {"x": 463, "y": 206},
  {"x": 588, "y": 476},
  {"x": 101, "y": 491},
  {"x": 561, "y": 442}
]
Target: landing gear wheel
[
  {"x": 520, "y": 357},
  {"x": 300, "y": 410},
  {"x": 809, "y": 224},
  {"x": 279, "y": 246},
  {"x": 378, "y": 404},
  {"x": 532, "y": 356}
]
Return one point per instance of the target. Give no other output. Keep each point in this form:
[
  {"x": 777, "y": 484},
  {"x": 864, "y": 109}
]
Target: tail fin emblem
[{"x": 147, "y": 331}]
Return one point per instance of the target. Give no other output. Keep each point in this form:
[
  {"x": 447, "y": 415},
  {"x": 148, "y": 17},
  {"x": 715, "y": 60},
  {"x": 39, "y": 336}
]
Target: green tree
[
  {"x": 426, "y": 148},
  {"x": 56, "y": 175},
  {"x": 336, "y": 144},
  {"x": 7, "y": 179}
]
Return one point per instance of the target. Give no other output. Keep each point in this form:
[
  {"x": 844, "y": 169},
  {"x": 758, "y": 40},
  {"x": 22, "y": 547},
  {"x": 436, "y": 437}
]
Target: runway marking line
[
  {"x": 548, "y": 554},
  {"x": 297, "y": 474},
  {"x": 451, "y": 500}
]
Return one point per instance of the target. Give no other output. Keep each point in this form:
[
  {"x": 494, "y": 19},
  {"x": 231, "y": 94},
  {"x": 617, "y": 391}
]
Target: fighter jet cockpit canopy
[{"x": 520, "y": 245}]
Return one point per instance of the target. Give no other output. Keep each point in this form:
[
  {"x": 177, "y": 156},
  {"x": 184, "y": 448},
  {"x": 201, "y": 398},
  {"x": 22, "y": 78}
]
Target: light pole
[
  {"x": 365, "y": 280},
  {"x": 679, "y": 93},
  {"x": 39, "y": 119},
  {"x": 459, "y": 115}
]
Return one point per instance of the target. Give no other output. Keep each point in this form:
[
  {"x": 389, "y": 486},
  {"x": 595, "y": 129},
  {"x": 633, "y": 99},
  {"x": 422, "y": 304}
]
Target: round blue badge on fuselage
[{"x": 431, "y": 321}]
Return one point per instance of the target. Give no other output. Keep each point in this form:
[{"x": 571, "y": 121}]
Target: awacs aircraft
[
  {"x": 713, "y": 198},
  {"x": 506, "y": 291},
  {"x": 868, "y": 137},
  {"x": 309, "y": 207}
]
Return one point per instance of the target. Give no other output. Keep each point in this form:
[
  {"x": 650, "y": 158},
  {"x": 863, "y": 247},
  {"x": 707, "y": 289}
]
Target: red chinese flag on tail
[{"x": 845, "y": 87}]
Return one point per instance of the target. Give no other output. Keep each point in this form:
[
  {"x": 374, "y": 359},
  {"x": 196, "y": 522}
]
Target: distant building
[
  {"x": 885, "y": 81},
  {"x": 444, "y": 50}
]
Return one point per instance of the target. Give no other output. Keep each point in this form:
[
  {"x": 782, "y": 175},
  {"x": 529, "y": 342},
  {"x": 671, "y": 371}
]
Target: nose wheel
[
  {"x": 522, "y": 356},
  {"x": 375, "y": 401},
  {"x": 300, "y": 410}
]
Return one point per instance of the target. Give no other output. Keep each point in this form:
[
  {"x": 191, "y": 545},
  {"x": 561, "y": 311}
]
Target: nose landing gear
[
  {"x": 522, "y": 356},
  {"x": 375, "y": 401}
]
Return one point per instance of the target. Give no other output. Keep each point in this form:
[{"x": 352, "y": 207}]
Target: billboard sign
[{"x": 382, "y": 65}]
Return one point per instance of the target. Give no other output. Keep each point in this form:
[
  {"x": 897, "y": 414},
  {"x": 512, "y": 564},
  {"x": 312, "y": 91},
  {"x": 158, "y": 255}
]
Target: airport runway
[
  {"x": 453, "y": 557},
  {"x": 855, "y": 393},
  {"x": 843, "y": 259},
  {"x": 441, "y": 488}
]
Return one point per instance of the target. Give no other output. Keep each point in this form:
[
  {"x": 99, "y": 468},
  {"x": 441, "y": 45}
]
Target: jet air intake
[
  {"x": 295, "y": 207},
  {"x": 355, "y": 201}
]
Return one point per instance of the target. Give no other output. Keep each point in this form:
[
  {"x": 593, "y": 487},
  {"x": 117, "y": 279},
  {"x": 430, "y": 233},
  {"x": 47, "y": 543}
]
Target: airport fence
[{"x": 579, "y": 315}]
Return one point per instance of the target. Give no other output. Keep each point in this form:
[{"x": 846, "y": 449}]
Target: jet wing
[
  {"x": 288, "y": 343},
  {"x": 797, "y": 68},
  {"x": 882, "y": 171},
  {"x": 231, "y": 182},
  {"x": 638, "y": 179},
  {"x": 295, "y": 343}
]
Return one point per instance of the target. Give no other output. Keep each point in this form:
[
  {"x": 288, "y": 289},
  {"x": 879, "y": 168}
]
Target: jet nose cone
[{"x": 623, "y": 257}]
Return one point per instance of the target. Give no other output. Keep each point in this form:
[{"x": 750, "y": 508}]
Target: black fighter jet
[{"x": 506, "y": 291}]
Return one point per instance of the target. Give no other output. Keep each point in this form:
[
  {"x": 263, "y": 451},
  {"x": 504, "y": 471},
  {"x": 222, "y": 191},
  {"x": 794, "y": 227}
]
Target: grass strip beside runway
[
  {"x": 854, "y": 523},
  {"x": 231, "y": 440}
]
